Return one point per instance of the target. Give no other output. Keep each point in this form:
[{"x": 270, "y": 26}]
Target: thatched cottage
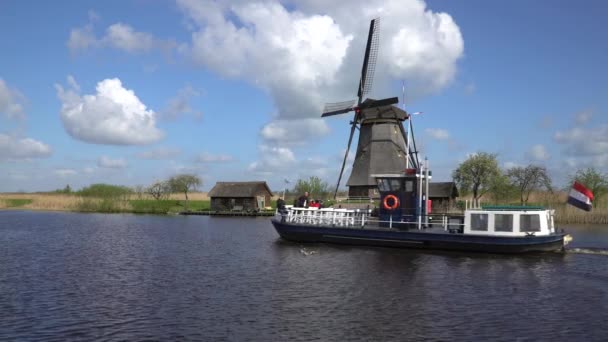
[{"x": 240, "y": 196}]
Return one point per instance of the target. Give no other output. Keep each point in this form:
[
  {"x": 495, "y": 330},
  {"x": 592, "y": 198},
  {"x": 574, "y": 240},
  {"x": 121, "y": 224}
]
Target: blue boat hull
[{"x": 418, "y": 239}]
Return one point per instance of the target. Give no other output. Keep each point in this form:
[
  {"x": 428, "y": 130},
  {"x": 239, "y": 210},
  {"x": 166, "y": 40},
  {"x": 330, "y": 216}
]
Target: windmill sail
[{"x": 381, "y": 147}]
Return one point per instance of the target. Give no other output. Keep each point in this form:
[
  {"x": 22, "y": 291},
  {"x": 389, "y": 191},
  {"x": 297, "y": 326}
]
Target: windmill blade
[
  {"x": 338, "y": 108},
  {"x": 380, "y": 103},
  {"x": 369, "y": 62},
  {"x": 350, "y": 139}
]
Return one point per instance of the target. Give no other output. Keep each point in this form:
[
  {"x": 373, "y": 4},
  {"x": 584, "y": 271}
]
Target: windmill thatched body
[{"x": 381, "y": 149}]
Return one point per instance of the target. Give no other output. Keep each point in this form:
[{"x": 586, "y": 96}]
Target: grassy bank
[
  {"x": 128, "y": 204},
  {"x": 564, "y": 214}
]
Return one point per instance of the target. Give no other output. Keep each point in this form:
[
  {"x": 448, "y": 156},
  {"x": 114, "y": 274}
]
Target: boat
[
  {"x": 403, "y": 220},
  {"x": 386, "y": 163}
]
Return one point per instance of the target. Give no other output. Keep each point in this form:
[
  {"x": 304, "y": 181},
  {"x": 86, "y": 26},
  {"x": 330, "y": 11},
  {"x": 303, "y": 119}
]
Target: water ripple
[{"x": 70, "y": 276}]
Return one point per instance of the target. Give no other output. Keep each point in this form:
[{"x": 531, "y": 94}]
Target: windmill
[{"x": 382, "y": 146}]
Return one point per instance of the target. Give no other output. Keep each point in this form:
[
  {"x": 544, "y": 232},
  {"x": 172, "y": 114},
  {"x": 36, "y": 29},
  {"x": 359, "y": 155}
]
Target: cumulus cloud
[
  {"x": 578, "y": 141},
  {"x": 159, "y": 153},
  {"x": 585, "y": 147},
  {"x": 295, "y": 131},
  {"x": 14, "y": 148},
  {"x": 109, "y": 163},
  {"x": 438, "y": 133},
  {"x": 583, "y": 117},
  {"x": 65, "y": 173},
  {"x": 113, "y": 115},
  {"x": 119, "y": 36},
  {"x": 180, "y": 104},
  {"x": 310, "y": 52},
  {"x": 273, "y": 159},
  {"x": 12, "y": 102},
  {"x": 213, "y": 158},
  {"x": 538, "y": 153}
]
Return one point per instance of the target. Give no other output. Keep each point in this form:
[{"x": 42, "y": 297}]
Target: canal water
[{"x": 70, "y": 276}]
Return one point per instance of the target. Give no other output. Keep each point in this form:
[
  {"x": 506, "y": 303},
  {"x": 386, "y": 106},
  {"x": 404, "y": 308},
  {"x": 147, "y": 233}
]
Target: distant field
[
  {"x": 135, "y": 203},
  {"x": 132, "y": 203}
]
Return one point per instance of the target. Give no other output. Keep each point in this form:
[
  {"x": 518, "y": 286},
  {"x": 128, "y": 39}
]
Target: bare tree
[
  {"x": 528, "y": 179},
  {"x": 159, "y": 190}
]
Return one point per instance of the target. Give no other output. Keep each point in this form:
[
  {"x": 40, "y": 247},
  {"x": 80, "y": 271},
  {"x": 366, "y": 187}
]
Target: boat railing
[{"x": 359, "y": 218}]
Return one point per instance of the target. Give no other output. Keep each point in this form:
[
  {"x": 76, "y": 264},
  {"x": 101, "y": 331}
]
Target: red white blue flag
[{"x": 580, "y": 197}]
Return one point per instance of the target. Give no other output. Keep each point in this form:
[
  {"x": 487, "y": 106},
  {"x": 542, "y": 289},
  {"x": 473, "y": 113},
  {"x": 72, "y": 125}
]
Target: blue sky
[{"x": 130, "y": 92}]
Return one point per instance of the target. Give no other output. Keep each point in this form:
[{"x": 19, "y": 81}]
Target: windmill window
[{"x": 529, "y": 223}]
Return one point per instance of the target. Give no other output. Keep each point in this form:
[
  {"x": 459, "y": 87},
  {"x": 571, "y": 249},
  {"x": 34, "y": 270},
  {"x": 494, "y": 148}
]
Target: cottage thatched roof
[
  {"x": 238, "y": 189},
  {"x": 443, "y": 190}
]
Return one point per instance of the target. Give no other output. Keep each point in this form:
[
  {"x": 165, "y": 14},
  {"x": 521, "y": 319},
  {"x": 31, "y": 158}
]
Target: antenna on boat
[{"x": 407, "y": 135}]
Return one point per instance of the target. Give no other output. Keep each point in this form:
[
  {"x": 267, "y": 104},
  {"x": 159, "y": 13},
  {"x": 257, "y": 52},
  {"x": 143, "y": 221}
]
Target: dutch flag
[{"x": 580, "y": 196}]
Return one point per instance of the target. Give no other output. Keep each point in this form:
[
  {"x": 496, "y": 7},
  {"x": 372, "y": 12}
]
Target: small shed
[
  {"x": 240, "y": 196},
  {"x": 443, "y": 196}
]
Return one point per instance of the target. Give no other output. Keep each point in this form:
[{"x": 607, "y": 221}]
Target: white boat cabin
[{"x": 509, "y": 221}]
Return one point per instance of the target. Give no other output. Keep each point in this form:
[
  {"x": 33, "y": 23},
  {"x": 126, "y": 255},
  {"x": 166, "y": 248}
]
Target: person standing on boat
[
  {"x": 281, "y": 205},
  {"x": 303, "y": 200}
]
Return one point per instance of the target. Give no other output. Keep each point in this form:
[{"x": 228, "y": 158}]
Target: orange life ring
[{"x": 395, "y": 202}]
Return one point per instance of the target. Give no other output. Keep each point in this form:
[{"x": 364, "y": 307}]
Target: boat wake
[
  {"x": 307, "y": 252},
  {"x": 591, "y": 250}
]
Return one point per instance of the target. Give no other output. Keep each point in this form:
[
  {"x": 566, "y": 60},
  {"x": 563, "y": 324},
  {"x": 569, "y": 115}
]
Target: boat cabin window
[
  {"x": 389, "y": 184},
  {"x": 479, "y": 222},
  {"x": 383, "y": 184},
  {"x": 395, "y": 184},
  {"x": 529, "y": 223},
  {"x": 409, "y": 185},
  {"x": 503, "y": 223}
]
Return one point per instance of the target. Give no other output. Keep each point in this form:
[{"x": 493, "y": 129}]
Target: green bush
[
  {"x": 104, "y": 191},
  {"x": 17, "y": 202}
]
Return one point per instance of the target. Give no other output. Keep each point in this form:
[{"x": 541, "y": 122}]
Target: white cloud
[
  {"x": 81, "y": 39},
  {"x": 438, "y": 133},
  {"x": 316, "y": 47},
  {"x": 64, "y": 173},
  {"x": 538, "y": 153},
  {"x": 15, "y": 148},
  {"x": 180, "y": 104},
  {"x": 107, "y": 162},
  {"x": 114, "y": 115},
  {"x": 579, "y": 141},
  {"x": 11, "y": 102},
  {"x": 119, "y": 36},
  {"x": 124, "y": 37},
  {"x": 213, "y": 158},
  {"x": 273, "y": 159},
  {"x": 583, "y": 117},
  {"x": 159, "y": 153},
  {"x": 296, "y": 131}
]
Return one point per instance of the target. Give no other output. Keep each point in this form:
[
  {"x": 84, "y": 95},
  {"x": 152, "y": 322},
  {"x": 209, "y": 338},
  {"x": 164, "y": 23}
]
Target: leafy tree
[
  {"x": 314, "y": 186},
  {"x": 477, "y": 174},
  {"x": 593, "y": 179},
  {"x": 501, "y": 189},
  {"x": 159, "y": 190},
  {"x": 184, "y": 183},
  {"x": 528, "y": 179}
]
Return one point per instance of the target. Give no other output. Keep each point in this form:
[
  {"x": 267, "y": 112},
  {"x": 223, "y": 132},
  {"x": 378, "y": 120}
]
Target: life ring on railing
[{"x": 395, "y": 204}]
